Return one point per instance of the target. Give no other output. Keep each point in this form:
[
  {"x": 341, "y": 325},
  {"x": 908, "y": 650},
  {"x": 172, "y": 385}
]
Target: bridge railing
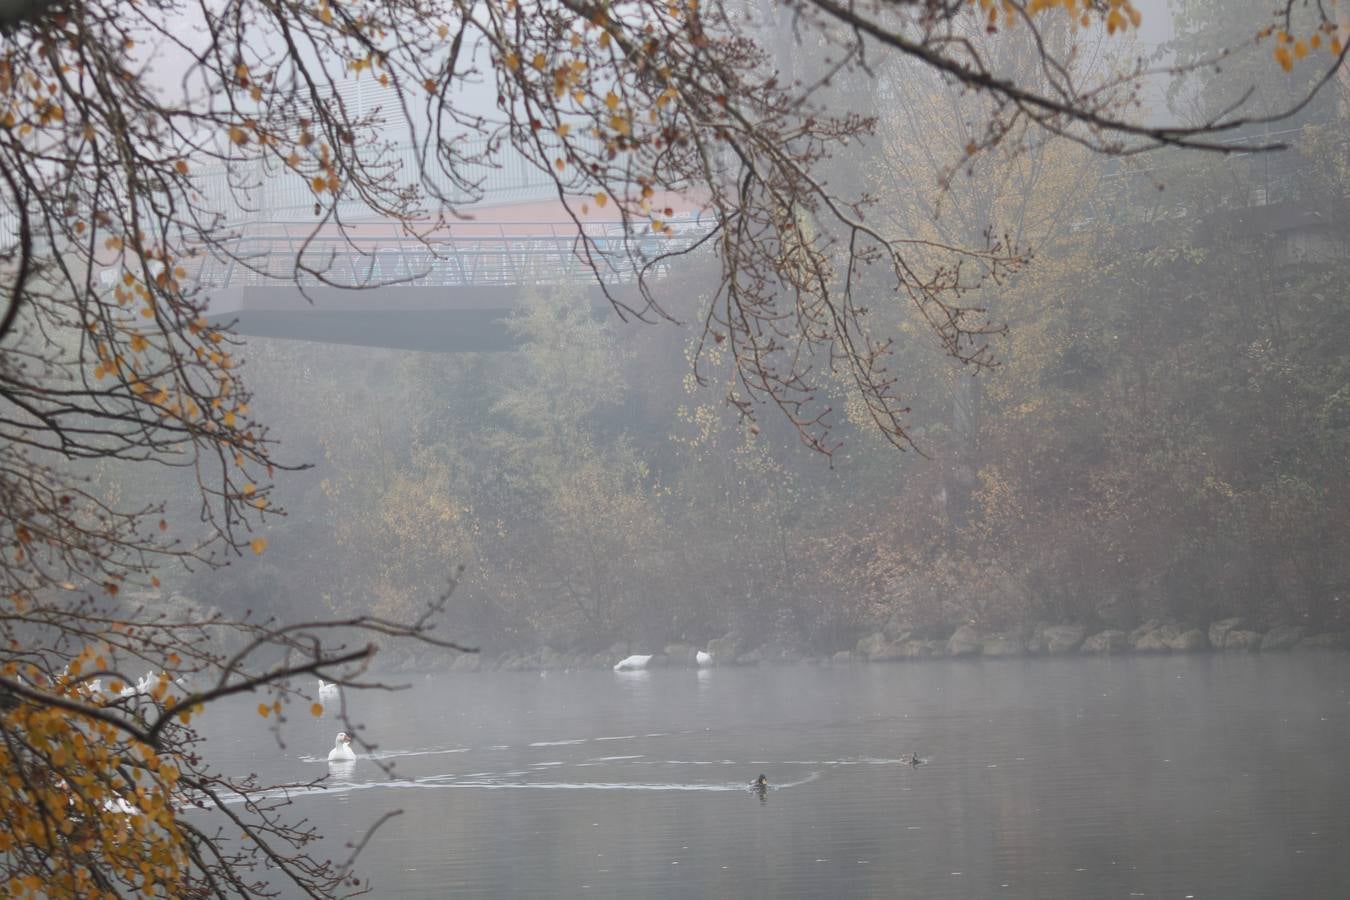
[{"x": 514, "y": 254}]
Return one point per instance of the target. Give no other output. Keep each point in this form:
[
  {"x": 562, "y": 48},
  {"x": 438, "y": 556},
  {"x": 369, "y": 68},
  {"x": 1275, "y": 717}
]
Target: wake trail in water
[{"x": 507, "y": 781}]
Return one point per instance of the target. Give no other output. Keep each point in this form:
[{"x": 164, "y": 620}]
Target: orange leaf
[{"x": 258, "y": 544}]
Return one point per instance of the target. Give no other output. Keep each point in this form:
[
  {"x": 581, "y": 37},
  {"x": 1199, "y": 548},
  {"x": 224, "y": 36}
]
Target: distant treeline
[{"x": 1167, "y": 435}]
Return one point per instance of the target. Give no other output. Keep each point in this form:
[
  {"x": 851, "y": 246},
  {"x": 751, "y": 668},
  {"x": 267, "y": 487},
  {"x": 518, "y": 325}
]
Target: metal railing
[{"x": 506, "y": 254}]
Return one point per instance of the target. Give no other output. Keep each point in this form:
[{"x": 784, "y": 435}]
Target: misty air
[{"x": 674, "y": 449}]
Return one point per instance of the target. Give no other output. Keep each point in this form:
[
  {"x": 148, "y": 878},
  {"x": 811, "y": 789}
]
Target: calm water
[{"x": 1199, "y": 776}]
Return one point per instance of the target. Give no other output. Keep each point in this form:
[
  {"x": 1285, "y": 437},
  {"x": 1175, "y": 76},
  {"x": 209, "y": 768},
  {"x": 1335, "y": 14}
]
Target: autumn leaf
[{"x": 258, "y": 545}]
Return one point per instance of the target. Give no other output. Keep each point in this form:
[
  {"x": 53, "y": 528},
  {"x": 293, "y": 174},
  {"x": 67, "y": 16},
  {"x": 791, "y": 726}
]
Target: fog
[
  {"x": 1161, "y": 444},
  {"x": 1086, "y": 636}
]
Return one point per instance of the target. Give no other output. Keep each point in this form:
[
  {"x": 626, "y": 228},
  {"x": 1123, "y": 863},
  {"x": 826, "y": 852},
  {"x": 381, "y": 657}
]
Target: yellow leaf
[
  {"x": 1282, "y": 57},
  {"x": 316, "y": 710},
  {"x": 539, "y": 61},
  {"x": 612, "y": 100},
  {"x": 258, "y": 545},
  {"x": 264, "y": 710},
  {"x": 249, "y": 489},
  {"x": 601, "y": 199},
  {"x": 238, "y": 135}
]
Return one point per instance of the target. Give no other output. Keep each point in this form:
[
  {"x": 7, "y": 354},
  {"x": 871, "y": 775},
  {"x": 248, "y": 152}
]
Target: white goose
[
  {"x": 342, "y": 749},
  {"x": 327, "y": 690},
  {"x": 633, "y": 663}
]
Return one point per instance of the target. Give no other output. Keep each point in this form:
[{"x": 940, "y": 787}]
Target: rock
[
  {"x": 876, "y": 648},
  {"x": 1332, "y": 640},
  {"x": 1112, "y": 640},
  {"x": 1154, "y": 640},
  {"x": 1238, "y": 639},
  {"x": 751, "y": 657},
  {"x": 936, "y": 647},
  {"x": 916, "y": 649},
  {"x": 871, "y": 644},
  {"x": 1149, "y": 625},
  {"x": 965, "y": 641},
  {"x": 1282, "y": 637},
  {"x": 1055, "y": 639},
  {"x": 681, "y": 655},
  {"x": 727, "y": 647},
  {"x": 1218, "y": 631},
  {"x": 897, "y": 631},
  {"x": 1035, "y": 643},
  {"x": 1188, "y": 641},
  {"x": 1002, "y": 645},
  {"x": 1061, "y": 639},
  {"x": 466, "y": 662}
]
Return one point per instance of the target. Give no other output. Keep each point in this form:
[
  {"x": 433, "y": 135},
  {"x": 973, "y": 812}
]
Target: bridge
[{"x": 375, "y": 284}]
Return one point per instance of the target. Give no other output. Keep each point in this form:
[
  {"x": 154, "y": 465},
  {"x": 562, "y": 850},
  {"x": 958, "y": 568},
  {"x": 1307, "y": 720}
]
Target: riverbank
[{"x": 1228, "y": 635}]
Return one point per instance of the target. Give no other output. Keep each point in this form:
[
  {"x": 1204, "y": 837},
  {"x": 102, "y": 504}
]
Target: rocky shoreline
[{"x": 965, "y": 642}]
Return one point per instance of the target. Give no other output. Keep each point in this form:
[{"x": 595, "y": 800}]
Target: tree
[{"x": 108, "y": 358}]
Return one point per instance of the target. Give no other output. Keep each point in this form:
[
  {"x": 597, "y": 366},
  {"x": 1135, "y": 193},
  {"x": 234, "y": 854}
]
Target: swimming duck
[
  {"x": 912, "y": 759},
  {"x": 342, "y": 749},
  {"x": 760, "y": 783}
]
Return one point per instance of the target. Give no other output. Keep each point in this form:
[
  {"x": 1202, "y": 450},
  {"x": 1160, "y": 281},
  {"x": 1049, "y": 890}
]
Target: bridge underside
[{"x": 430, "y": 319}]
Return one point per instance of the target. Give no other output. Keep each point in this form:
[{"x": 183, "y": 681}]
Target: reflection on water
[{"x": 1213, "y": 776}]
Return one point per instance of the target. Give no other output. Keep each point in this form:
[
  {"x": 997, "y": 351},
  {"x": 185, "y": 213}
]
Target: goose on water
[
  {"x": 342, "y": 748},
  {"x": 630, "y": 663}
]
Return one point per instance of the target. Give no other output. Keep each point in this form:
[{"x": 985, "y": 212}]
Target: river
[{"x": 1188, "y": 776}]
